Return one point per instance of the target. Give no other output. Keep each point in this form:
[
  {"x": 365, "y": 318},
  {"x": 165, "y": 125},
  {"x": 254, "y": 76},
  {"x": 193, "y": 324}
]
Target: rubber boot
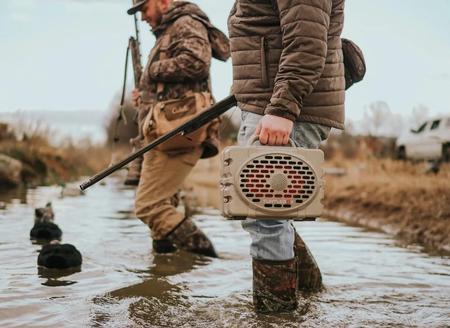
[
  {"x": 274, "y": 286},
  {"x": 309, "y": 276},
  {"x": 189, "y": 237},
  {"x": 164, "y": 246}
]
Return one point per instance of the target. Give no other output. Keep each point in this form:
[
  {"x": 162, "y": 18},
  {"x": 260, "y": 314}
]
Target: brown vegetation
[
  {"x": 44, "y": 163},
  {"x": 393, "y": 196},
  {"x": 398, "y": 197}
]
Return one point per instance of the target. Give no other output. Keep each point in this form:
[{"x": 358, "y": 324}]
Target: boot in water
[
  {"x": 189, "y": 237},
  {"x": 309, "y": 275},
  {"x": 163, "y": 246},
  {"x": 274, "y": 286}
]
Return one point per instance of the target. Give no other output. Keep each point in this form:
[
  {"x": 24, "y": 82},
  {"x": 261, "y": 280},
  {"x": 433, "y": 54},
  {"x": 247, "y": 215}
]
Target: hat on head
[{"x": 138, "y": 4}]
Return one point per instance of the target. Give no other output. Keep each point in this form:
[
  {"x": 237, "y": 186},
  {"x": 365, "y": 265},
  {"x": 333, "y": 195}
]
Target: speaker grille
[{"x": 277, "y": 181}]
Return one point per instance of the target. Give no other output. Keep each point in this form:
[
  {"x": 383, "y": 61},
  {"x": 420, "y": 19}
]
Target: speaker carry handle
[{"x": 255, "y": 138}]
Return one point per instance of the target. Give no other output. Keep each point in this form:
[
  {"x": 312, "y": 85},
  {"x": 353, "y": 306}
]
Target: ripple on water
[{"x": 370, "y": 280}]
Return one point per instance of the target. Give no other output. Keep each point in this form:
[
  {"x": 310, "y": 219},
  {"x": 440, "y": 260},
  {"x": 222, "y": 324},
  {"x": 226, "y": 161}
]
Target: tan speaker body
[{"x": 265, "y": 182}]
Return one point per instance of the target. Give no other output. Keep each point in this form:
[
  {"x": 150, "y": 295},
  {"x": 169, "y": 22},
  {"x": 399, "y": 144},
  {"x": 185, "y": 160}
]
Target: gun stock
[{"x": 188, "y": 127}]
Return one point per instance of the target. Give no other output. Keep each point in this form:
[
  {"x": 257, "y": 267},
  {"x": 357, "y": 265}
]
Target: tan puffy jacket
[{"x": 287, "y": 59}]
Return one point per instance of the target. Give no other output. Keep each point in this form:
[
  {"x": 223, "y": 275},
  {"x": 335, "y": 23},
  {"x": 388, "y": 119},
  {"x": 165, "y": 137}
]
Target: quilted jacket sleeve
[{"x": 304, "y": 25}]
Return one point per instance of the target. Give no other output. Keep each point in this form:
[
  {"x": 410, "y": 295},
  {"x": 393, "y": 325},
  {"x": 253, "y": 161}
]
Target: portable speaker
[{"x": 266, "y": 182}]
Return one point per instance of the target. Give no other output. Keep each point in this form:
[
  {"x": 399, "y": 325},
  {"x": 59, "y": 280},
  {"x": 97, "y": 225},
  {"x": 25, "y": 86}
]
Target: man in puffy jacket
[
  {"x": 178, "y": 65},
  {"x": 289, "y": 81}
]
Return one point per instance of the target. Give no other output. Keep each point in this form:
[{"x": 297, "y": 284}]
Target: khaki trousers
[{"x": 162, "y": 176}]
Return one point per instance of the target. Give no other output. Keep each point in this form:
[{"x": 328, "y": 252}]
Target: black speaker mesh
[{"x": 256, "y": 182}]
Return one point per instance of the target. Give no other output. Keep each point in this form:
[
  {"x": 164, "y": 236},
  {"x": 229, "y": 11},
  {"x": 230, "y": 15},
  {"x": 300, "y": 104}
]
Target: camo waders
[
  {"x": 189, "y": 237},
  {"x": 309, "y": 277},
  {"x": 274, "y": 286}
]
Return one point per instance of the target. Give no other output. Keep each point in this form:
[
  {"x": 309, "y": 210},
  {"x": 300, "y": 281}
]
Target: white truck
[{"x": 431, "y": 141}]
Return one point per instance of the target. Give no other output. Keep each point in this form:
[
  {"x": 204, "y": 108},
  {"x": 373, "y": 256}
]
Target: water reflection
[
  {"x": 370, "y": 281},
  {"x": 53, "y": 282},
  {"x": 155, "y": 294},
  {"x": 155, "y": 282}
]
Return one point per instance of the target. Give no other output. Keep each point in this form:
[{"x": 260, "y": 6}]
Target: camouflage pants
[
  {"x": 161, "y": 177},
  {"x": 274, "y": 239}
]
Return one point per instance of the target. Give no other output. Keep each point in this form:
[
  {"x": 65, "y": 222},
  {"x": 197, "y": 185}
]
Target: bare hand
[
  {"x": 136, "y": 97},
  {"x": 274, "y": 130}
]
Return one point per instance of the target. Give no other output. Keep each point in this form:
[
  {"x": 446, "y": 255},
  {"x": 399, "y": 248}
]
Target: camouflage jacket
[{"x": 181, "y": 58}]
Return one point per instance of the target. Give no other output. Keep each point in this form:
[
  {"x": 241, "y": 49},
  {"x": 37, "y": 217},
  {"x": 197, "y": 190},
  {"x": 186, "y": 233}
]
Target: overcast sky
[{"x": 69, "y": 54}]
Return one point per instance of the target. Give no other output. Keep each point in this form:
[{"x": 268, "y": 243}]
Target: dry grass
[
  {"x": 44, "y": 163},
  {"x": 399, "y": 195}
]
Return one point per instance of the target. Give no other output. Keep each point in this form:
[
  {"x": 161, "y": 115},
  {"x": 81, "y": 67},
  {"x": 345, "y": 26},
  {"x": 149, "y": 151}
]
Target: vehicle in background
[{"x": 431, "y": 141}]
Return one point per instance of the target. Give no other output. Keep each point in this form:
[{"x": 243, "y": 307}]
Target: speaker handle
[{"x": 255, "y": 138}]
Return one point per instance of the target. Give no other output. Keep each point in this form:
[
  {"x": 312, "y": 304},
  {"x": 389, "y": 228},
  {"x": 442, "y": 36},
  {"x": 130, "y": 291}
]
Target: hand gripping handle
[{"x": 255, "y": 138}]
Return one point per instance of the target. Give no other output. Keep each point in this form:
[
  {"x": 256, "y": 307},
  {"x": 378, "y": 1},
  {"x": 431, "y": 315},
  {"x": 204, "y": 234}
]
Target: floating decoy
[
  {"x": 59, "y": 256},
  {"x": 44, "y": 227}
]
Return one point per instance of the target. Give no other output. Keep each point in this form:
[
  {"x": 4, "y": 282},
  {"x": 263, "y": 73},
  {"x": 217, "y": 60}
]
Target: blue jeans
[{"x": 274, "y": 239}]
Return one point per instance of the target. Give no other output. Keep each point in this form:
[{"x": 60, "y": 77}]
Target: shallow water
[{"x": 370, "y": 279}]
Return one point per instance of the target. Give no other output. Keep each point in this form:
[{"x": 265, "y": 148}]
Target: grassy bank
[
  {"x": 35, "y": 161},
  {"x": 395, "y": 197}
]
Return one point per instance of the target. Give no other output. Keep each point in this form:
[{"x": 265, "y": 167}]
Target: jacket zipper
[{"x": 264, "y": 73}]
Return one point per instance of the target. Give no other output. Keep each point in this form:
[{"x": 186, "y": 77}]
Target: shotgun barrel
[{"x": 190, "y": 126}]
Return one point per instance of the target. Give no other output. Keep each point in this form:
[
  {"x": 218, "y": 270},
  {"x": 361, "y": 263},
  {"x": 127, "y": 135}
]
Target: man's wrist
[{"x": 280, "y": 113}]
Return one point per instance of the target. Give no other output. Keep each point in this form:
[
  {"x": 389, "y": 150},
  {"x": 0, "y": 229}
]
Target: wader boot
[
  {"x": 309, "y": 275},
  {"x": 163, "y": 246},
  {"x": 189, "y": 237},
  {"x": 274, "y": 286}
]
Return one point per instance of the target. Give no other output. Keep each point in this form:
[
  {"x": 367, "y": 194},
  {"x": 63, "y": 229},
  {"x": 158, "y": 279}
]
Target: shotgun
[
  {"x": 134, "y": 45},
  {"x": 190, "y": 126}
]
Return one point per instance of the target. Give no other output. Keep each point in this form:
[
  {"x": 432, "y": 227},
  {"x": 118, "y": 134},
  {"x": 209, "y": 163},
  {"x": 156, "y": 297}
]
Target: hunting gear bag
[
  {"x": 166, "y": 116},
  {"x": 266, "y": 182},
  {"x": 354, "y": 63}
]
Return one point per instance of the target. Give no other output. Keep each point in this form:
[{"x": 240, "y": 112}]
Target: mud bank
[{"x": 394, "y": 197}]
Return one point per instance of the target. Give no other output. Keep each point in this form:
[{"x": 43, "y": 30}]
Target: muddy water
[{"x": 370, "y": 279}]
